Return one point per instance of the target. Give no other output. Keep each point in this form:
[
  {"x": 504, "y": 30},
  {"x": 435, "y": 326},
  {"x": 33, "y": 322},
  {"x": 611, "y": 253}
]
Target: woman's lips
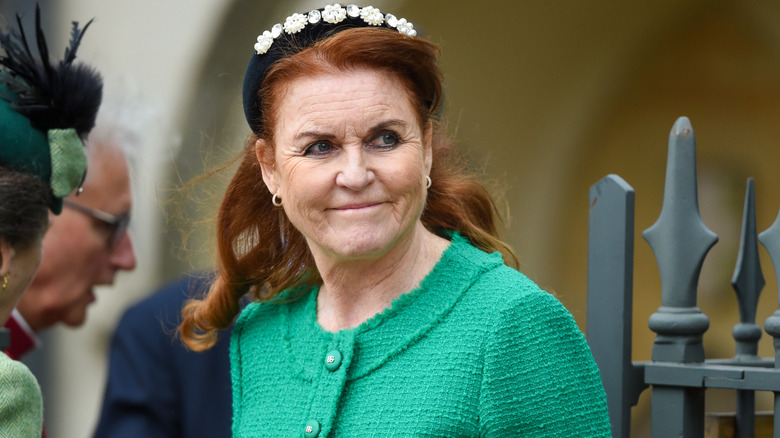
[{"x": 357, "y": 207}]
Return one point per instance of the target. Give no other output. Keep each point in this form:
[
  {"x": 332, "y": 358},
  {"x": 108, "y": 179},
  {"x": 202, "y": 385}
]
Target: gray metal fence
[{"x": 678, "y": 373}]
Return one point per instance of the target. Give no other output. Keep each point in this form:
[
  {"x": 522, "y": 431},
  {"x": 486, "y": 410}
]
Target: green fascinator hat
[{"x": 46, "y": 109}]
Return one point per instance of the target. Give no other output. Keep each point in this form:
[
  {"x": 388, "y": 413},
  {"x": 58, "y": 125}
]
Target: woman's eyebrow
[
  {"x": 389, "y": 123},
  {"x": 315, "y": 134},
  {"x": 327, "y": 136}
]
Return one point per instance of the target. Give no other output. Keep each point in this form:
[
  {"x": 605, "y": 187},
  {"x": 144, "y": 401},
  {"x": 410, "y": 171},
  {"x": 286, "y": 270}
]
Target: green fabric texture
[
  {"x": 22, "y": 147},
  {"x": 21, "y": 405},
  {"x": 477, "y": 350},
  {"x": 68, "y": 161}
]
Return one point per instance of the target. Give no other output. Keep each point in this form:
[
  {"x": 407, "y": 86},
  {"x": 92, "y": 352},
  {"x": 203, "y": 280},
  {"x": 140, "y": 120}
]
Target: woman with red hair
[{"x": 382, "y": 304}]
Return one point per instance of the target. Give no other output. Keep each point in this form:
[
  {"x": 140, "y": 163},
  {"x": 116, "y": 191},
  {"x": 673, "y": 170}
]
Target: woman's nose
[{"x": 354, "y": 173}]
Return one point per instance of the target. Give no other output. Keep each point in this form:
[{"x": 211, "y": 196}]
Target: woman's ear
[
  {"x": 6, "y": 254},
  {"x": 428, "y": 146},
  {"x": 265, "y": 157}
]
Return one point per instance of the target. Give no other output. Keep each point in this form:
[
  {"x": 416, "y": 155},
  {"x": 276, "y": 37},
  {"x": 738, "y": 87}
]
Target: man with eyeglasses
[{"x": 86, "y": 245}]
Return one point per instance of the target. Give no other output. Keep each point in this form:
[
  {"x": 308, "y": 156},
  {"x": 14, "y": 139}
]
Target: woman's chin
[{"x": 359, "y": 246}]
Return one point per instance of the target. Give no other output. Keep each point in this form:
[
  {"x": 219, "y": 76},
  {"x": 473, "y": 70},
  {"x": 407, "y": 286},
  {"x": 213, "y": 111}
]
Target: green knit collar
[{"x": 391, "y": 331}]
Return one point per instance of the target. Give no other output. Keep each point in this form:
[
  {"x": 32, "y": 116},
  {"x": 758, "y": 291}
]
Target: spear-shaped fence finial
[
  {"x": 680, "y": 241},
  {"x": 748, "y": 281}
]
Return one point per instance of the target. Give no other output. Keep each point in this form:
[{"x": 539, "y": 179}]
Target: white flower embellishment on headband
[
  {"x": 332, "y": 14},
  {"x": 372, "y": 16},
  {"x": 295, "y": 23},
  {"x": 264, "y": 42}
]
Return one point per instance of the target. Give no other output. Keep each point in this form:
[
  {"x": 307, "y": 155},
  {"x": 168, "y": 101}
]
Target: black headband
[{"x": 300, "y": 31}]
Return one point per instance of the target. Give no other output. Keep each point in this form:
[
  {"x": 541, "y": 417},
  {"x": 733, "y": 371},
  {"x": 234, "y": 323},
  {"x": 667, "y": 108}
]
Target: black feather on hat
[
  {"x": 46, "y": 109},
  {"x": 63, "y": 96}
]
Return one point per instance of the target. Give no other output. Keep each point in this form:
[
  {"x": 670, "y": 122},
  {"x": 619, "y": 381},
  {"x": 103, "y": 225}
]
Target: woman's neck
[
  {"x": 5, "y": 311},
  {"x": 354, "y": 291}
]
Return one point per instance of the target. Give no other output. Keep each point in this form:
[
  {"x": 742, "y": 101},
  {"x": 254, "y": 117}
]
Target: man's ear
[
  {"x": 6, "y": 254},
  {"x": 265, "y": 157}
]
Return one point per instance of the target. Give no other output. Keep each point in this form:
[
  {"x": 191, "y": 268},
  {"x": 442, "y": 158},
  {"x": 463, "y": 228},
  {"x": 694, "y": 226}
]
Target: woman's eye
[
  {"x": 387, "y": 139},
  {"x": 318, "y": 148}
]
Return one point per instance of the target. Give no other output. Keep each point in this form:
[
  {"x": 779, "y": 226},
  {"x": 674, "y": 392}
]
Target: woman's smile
[{"x": 362, "y": 207}]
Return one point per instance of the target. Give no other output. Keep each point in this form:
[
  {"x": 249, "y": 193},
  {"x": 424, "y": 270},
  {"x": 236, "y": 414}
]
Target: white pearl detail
[
  {"x": 294, "y": 23},
  {"x": 331, "y": 14},
  {"x": 406, "y": 27},
  {"x": 264, "y": 42},
  {"x": 334, "y": 14},
  {"x": 372, "y": 16}
]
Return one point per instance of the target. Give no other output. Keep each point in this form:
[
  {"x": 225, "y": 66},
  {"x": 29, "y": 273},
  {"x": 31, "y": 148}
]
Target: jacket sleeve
[{"x": 539, "y": 377}]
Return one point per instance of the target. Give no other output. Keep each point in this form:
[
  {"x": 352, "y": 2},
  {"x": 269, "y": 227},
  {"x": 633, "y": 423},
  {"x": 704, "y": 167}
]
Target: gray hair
[{"x": 124, "y": 120}]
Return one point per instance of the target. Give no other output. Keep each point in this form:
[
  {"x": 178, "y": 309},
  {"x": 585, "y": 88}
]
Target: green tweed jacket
[
  {"x": 21, "y": 405},
  {"x": 478, "y": 350}
]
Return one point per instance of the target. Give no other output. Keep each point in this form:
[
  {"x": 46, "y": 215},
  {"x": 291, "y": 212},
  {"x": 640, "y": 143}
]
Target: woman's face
[{"x": 349, "y": 163}]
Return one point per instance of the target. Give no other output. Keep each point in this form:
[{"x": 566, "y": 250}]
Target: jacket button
[
  {"x": 333, "y": 360},
  {"x": 312, "y": 429}
]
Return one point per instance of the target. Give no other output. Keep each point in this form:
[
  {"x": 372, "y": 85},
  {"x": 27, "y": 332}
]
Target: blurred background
[{"x": 546, "y": 98}]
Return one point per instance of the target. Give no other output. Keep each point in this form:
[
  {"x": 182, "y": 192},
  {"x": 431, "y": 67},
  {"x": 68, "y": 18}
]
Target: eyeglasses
[{"x": 117, "y": 225}]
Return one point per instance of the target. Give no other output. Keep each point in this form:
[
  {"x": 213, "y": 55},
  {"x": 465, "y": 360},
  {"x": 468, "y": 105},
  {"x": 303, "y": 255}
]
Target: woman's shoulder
[
  {"x": 21, "y": 406},
  {"x": 508, "y": 294},
  {"x": 264, "y": 313},
  {"x": 256, "y": 312},
  {"x": 15, "y": 374},
  {"x": 493, "y": 280},
  {"x": 516, "y": 311},
  {"x": 504, "y": 293}
]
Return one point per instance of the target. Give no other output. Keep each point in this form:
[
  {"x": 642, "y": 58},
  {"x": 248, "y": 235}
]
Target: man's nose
[{"x": 123, "y": 254}]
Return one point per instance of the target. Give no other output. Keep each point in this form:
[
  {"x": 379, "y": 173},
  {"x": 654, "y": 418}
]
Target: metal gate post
[
  {"x": 747, "y": 281},
  {"x": 679, "y": 324},
  {"x": 770, "y": 238},
  {"x": 610, "y": 297}
]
